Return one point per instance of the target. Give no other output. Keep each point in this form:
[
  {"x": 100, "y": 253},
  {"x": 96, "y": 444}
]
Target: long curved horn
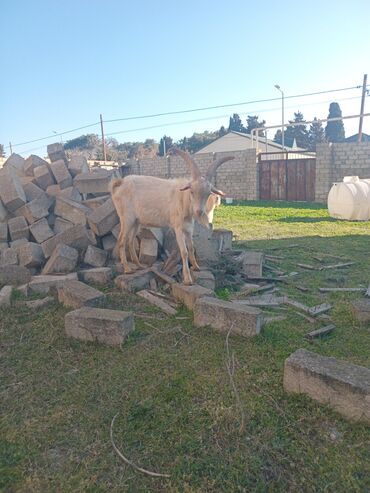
[
  {"x": 216, "y": 164},
  {"x": 195, "y": 173}
]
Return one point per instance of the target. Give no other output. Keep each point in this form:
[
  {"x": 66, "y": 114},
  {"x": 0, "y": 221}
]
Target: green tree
[
  {"x": 236, "y": 125},
  {"x": 279, "y": 137},
  {"x": 222, "y": 131},
  {"x": 334, "y": 131},
  {"x": 164, "y": 140},
  {"x": 252, "y": 122},
  {"x": 316, "y": 134},
  {"x": 2, "y": 151},
  {"x": 84, "y": 142},
  {"x": 298, "y": 132}
]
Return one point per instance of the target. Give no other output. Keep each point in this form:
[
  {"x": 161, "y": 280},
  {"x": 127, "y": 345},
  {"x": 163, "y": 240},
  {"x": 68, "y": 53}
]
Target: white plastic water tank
[{"x": 350, "y": 199}]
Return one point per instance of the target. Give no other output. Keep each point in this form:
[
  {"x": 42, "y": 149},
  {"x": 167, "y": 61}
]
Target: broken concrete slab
[
  {"x": 32, "y": 191},
  {"x": 93, "y": 182},
  {"x": 204, "y": 278},
  {"x": 3, "y": 232},
  {"x": 76, "y": 237},
  {"x": 109, "y": 242},
  {"x": 30, "y": 255},
  {"x": 18, "y": 228},
  {"x": 227, "y": 316},
  {"x": 14, "y": 275},
  {"x": 148, "y": 251},
  {"x": 61, "y": 225},
  {"x": 343, "y": 386},
  {"x": 323, "y": 331},
  {"x": 15, "y": 163},
  {"x": 103, "y": 219},
  {"x": 38, "y": 304},
  {"x": 206, "y": 247},
  {"x": 36, "y": 209},
  {"x": 33, "y": 162},
  {"x": 188, "y": 295},
  {"x": 134, "y": 282},
  {"x": 156, "y": 301},
  {"x": 5, "y": 296},
  {"x": 71, "y": 211},
  {"x": 95, "y": 202},
  {"x": 56, "y": 151},
  {"x": 11, "y": 192},
  {"x": 61, "y": 174},
  {"x": 54, "y": 190},
  {"x": 63, "y": 260},
  {"x": 46, "y": 283},
  {"x": 361, "y": 309},
  {"x": 224, "y": 238},
  {"x": 43, "y": 177},
  {"x": 71, "y": 193},
  {"x": 41, "y": 230},
  {"x": 99, "y": 275},
  {"x": 147, "y": 233},
  {"x": 95, "y": 256},
  {"x": 77, "y": 294},
  {"x": 109, "y": 327},
  {"x": 9, "y": 257},
  {"x": 3, "y": 213},
  {"x": 78, "y": 164},
  {"x": 252, "y": 264}
]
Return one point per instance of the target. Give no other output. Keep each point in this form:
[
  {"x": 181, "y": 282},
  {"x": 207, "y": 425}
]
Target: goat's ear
[
  {"x": 218, "y": 192},
  {"x": 186, "y": 187}
]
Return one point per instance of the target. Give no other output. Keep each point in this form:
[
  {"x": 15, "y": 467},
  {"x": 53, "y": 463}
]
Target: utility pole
[
  {"x": 11, "y": 150},
  {"x": 362, "y": 108},
  {"x": 282, "y": 116},
  {"x": 102, "y": 137}
]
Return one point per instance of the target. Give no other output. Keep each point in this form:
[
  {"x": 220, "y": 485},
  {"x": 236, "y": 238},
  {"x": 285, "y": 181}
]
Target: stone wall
[
  {"x": 237, "y": 178},
  {"x": 335, "y": 161}
]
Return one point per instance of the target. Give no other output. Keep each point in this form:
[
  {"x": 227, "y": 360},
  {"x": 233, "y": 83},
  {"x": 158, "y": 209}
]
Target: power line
[{"x": 154, "y": 115}]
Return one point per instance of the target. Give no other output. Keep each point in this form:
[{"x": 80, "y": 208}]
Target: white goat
[{"x": 155, "y": 202}]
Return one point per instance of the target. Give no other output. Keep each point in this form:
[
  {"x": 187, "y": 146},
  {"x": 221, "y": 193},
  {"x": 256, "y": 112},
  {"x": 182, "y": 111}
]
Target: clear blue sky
[{"x": 64, "y": 62}]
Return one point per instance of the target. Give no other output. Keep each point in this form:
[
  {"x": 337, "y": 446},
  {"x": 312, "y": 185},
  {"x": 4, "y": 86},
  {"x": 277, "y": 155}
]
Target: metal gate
[{"x": 287, "y": 176}]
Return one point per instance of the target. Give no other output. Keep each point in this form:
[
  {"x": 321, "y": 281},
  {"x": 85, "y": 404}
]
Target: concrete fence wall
[{"x": 237, "y": 178}]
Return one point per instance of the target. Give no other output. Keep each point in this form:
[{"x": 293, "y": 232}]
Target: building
[{"x": 354, "y": 138}]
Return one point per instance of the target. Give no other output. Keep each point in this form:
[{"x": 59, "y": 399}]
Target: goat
[
  {"x": 212, "y": 202},
  {"x": 157, "y": 202}
]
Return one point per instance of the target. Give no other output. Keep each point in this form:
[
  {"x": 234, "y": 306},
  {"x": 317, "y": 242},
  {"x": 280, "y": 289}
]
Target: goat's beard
[{"x": 203, "y": 220}]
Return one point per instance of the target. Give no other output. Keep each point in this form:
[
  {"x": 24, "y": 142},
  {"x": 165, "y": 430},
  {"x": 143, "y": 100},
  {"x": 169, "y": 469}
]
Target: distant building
[
  {"x": 237, "y": 141},
  {"x": 354, "y": 138}
]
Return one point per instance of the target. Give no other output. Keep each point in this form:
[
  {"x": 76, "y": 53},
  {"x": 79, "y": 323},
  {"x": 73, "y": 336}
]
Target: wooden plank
[
  {"x": 291, "y": 179},
  {"x": 310, "y": 179},
  {"x": 320, "y": 332},
  {"x": 265, "y": 187},
  {"x": 154, "y": 300},
  {"x": 162, "y": 276},
  {"x": 282, "y": 180},
  {"x": 318, "y": 309},
  {"x": 340, "y": 290},
  {"x": 307, "y": 266},
  {"x": 336, "y": 266},
  {"x": 301, "y": 179},
  {"x": 274, "y": 180}
]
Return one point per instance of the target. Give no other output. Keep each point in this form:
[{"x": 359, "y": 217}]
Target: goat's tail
[{"x": 115, "y": 184}]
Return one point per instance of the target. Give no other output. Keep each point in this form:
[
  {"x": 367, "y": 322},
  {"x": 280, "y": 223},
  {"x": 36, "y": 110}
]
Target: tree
[
  {"x": 279, "y": 137},
  {"x": 236, "y": 125},
  {"x": 316, "y": 134},
  {"x": 222, "y": 131},
  {"x": 298, "y": 132},
  {"x": 252, "y": 122},
  {"x": 84, "y": 142},
  {"x": 164, "y": 140},
  {"x": 334, "y": 131},
  {"x": 2, "y": 151}
]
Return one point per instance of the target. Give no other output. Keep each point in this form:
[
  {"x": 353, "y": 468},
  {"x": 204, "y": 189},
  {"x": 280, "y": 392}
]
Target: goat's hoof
[{"x": 195, "y": 268}]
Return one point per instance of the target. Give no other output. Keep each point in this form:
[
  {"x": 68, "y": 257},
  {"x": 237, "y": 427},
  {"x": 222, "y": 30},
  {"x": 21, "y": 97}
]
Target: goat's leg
[
  {"x": 180, "y": 238},
  {"x": 190, "y": 247},
  {"x": 131, "y": 247},
  {"x": 122, "y": 240}
]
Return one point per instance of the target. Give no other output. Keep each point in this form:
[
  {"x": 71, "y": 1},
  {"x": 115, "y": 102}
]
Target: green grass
[{"x": 177, "y": 412}]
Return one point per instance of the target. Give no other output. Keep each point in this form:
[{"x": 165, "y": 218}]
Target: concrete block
[
  {"x": 109, "y": 242},
  {"x": 76, "y": 237},
  {"x": 95, "y": 256},
  {"x": 61, "y": 225},
  {"x": 43, "y": 177},
  {"x": 15, "y": 162},
  {"x": 61, "y": 174},
  {"x": 100, "y": 275},
  {"x": 38, "y": 304},
  {"x": 17, "y": 243},
  {"x": 32, "y": 191},
  {"x": 206, "y": 247},
  {"x": 93, "y": 182},
  {"x": 54, "y": 190},
  {"x": 36, "y": 209},
  {"x": 77, "y": 294},
  {"x": 3, "y": 232},
  {"x": 46, "y": 283},
  {"x": 109, "y": 327},
  {"x": 150, "y": 234},
  {"x": 5, "y": 296},
  {"x": 9, "y": 257},
  {"x": 226, "y": 315},
  {"x": 78, "y": 164},
  {"x": 361, "y": 309},
  {"x": 252, "y": 264},
  {"x": 30, "y": 255},
  {"x": 204, "y": 278},
  {"x": 51, "y": 219},
  {"x": 11, "y": 192},
  {"x": 103, "y": 219},
  {"x": 343, "y": 386},
  {"x": 116, "y": 230},
  {"x": 3, "y": 212},
  {"x": 33, "y": 162},
  {"x": 71, "y": 211},
  {"x": 95, "y": 202},
  {"x": 188, "y": 295},
  {"x": 134, "y": 282},
  {"x": 148, "y": 251},
  {"x": 3, "y": 246},
  {"x": 14, "y": 275},
  {"x": 56, "y": 152},
  {"x": 41, "y": 230},
  {"x": 224, "y": 238},
  {"x": 63, "y": 260},
  {"x": 72, "y": 193},
  {"x": 18, "y": 228}
]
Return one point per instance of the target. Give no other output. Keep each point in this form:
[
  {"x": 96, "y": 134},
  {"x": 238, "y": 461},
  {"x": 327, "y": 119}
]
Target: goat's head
[{"x": 200, "y": 187}]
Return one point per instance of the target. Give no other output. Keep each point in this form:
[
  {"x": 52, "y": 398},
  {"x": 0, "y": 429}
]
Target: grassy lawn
[{"x": 177, "y": 411}]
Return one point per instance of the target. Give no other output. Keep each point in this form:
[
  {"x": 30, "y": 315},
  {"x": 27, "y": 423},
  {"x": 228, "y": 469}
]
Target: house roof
[
  {"x": 354, "y": 138},
  {"x": 238, "y": 141}
]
